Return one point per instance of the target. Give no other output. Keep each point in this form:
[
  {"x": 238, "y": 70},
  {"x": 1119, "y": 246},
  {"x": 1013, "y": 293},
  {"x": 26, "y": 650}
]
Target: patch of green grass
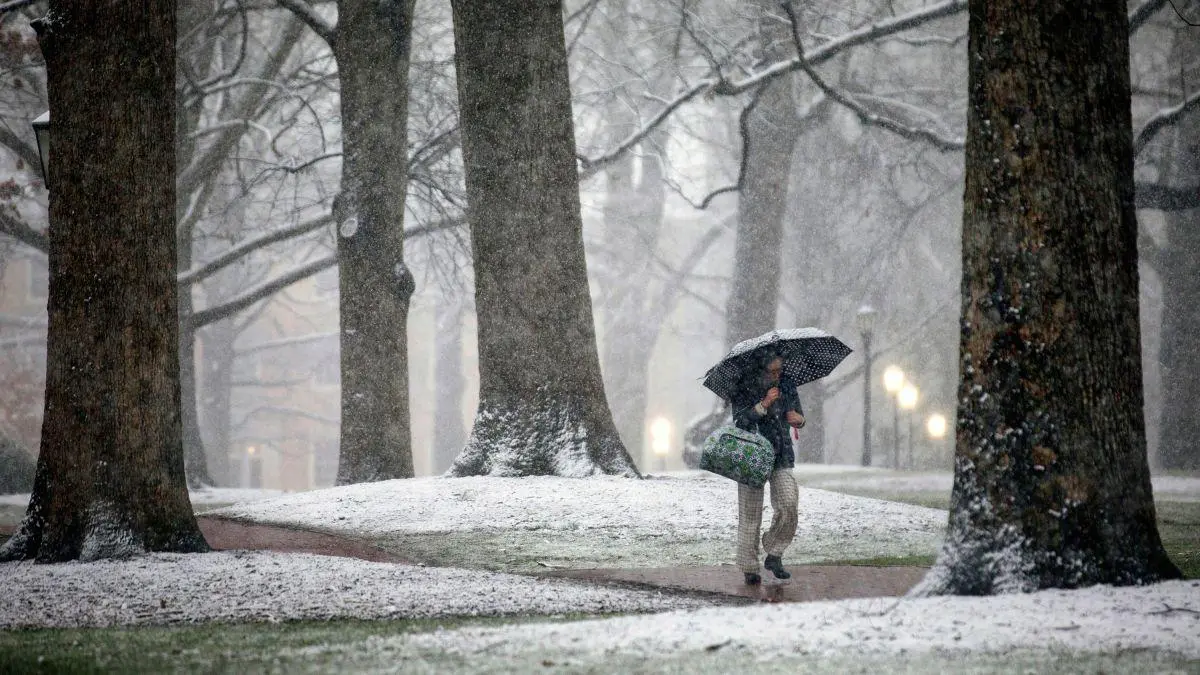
[
  {"x": 366, "y": 647},
  {"x": 236, "y": 647}
]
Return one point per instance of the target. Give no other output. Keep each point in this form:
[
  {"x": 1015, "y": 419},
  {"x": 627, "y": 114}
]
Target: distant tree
[
  {"x": 372, "y": 43},
  {"x": 110, "y": 477},
  {"x": 1179, "y": 444},
  {"x": 1051, "y": 483},
  {"x": 542, "y": 407}
]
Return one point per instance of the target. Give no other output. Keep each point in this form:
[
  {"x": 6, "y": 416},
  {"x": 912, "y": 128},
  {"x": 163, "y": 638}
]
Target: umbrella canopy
[{"x": 808, "y": 354}]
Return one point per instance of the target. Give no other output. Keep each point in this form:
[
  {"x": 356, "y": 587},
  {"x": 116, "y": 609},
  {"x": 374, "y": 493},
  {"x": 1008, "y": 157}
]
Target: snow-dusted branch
[
  {"x": 589, "y": 166},
  {"x": 718, "y": 86},
  {"x": 1162, "y": 119},
  {"x": 864, "y": 115},
  {"x": 249, "y": 246},
  {"x": 305, "y": 12},
  {"x": 854, "y": 38}
]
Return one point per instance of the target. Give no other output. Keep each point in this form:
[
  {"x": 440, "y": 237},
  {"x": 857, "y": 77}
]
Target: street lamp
[
  {"x": 908, "y": 400},
  {"x": 660, "y": 439},
  {"x": 41, "y": 130},
  {"x": 893, "y": 382},
  {"x": 936, "y": 426},
  {"x": 866, "y": 324}
]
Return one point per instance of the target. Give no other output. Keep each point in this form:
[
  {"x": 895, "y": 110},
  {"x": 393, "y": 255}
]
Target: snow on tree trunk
[
  {"x": 542, "y": 408},
  {"x": 110, "y": 477},
  {"x": 1179, "y": 444},
  {"x": 372, "y": 47},
  {"x": 1051, "y": 482}
]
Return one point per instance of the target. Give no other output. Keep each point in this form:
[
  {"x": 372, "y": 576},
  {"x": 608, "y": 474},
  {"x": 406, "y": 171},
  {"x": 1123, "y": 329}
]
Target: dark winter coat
[{"x": 774, "y": 424}]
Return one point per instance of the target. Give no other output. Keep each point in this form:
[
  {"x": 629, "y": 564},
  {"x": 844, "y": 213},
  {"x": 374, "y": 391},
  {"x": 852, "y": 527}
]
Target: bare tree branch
[
  {"x": 1167, "y": 198},
  {"x": 718, "y": 86},
  {"x": 26, "y": 151},
  {"x": 18, "y": 229},
  {"x": 266, "y": 289},
  {"x": 309, "y": 16},
  {"x": 864, "y": 115},
  {"x": 260, "y": 292},
  {"x": 1139, "y": 16},
  {"x": 249, "y": 246},
  {"x": 1162, "y": 119}
]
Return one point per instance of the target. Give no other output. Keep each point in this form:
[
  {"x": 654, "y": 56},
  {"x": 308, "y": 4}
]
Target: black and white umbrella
[{"x": 808, "y": 354}]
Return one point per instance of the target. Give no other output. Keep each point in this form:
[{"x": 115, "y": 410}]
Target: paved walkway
[{"x": 808, "y": 582}]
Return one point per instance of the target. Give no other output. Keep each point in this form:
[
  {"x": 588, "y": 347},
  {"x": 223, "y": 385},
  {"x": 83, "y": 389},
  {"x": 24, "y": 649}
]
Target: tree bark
[
  {"x": 110, "y": 477},
  {"x": 372, "y": 47},
  {"x": 1179, "y": 444},
  {"x": 542, "y": 408},
  {"x": 1051, "y": 482}
]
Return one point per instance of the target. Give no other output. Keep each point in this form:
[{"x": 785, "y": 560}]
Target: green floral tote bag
[{"x": 744, "y": 456}]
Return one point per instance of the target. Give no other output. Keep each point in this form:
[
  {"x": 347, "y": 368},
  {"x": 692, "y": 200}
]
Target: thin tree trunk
[
  {"x": 771, "y": 139},
  {"x": 218, "y": 340},
  {"x": 1179, "y": 444},
  {"x": 542, "y": 408},
  {"x": 110, "y": 476},
  {"x": 372, "y": 48},
  {"x": 1051, "y": 482},
  {"x": 449, "y": 434},
  {"x": 633, "y": 215}
]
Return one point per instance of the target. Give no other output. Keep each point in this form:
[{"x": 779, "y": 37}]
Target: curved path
[{"x": 808, "y": 582}]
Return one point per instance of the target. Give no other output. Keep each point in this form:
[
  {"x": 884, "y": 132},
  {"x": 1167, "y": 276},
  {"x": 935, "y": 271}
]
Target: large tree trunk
[
  {"x": 450, "y": 383},
  {"x": 1179, "y": 444},
  {"x": 110, "y": 477},
  {"x": 1051, "y": 482},
  {"x": 542, "y": 408},
  {"x": 372, "y": 48}
]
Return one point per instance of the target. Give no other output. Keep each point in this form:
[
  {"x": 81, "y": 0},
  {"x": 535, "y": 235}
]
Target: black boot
[
  {"x": 752, "y": 578},
  {"x": 775, "y": 564}
]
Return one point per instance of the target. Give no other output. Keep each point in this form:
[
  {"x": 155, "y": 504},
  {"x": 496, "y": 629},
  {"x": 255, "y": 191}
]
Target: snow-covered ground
[
  {"x": 1099, "y": 619},
  {"x": 686, "y": 518},
  {"x": 260, "y": 586},
  {"x": 201, "y": 497}
]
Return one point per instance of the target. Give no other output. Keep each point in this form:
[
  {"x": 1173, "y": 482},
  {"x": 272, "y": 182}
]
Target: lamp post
[
  {"x": 41, "y": 131},
  {"x": 660, "y": 439},
  {"x": 908, "y": 400},
  {"x": 893, "y": 382},
  {"x": 866, "y": 324}
]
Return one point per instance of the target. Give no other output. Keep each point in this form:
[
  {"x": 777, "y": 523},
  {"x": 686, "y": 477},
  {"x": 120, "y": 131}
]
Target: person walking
[{"x": 766, "y": 402}]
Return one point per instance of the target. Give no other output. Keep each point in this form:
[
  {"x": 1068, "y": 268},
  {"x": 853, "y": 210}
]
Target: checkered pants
[{"x": 778, "y": 536}]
